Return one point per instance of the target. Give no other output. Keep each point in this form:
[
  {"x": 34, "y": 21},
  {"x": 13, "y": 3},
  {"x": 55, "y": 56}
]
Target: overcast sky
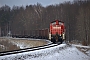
[{"x": 29, "y": 2}]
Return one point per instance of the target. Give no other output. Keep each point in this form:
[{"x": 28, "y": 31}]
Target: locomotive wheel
[
  {"x": 53, "y": 40},
  {"x": 60, "y": 40}
]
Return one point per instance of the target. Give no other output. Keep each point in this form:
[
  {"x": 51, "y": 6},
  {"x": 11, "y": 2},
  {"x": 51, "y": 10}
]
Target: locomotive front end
[{"x": 57, "y": 32}]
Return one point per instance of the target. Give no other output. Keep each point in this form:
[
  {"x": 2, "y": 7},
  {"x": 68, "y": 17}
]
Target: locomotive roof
[{"x": 57, "y": 20}]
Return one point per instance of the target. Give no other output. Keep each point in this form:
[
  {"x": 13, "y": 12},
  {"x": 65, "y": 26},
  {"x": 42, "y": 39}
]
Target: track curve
[{"x": 27, "y": 49}]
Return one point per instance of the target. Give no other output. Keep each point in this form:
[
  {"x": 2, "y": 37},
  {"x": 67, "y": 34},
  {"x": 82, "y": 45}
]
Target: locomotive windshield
[
  {"x": 60, "y": 23},
  {"x": 57, "y": 22},
  {"x": 53, "y": 23}
]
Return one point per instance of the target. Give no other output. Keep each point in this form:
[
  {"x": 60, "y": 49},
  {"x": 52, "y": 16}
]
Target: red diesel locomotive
[{"x": 57, "y": 31}]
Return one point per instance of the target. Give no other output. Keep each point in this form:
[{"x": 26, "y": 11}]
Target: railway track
[{"x": 27, "y": 49}]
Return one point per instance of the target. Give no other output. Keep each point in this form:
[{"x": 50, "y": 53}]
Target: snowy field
[{"x": 60, "y": 52}]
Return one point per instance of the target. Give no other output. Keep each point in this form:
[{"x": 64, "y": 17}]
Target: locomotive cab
[{"x": 57, "y": 32}]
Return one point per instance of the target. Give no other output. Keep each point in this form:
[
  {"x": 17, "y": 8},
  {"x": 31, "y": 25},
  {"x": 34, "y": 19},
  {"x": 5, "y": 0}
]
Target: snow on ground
[
  {"x": 88, "y": 52},
  {"x": 81, "y": 46},
  {"x": 84, "y": 49},
  {"x": 60, "y": 52}
]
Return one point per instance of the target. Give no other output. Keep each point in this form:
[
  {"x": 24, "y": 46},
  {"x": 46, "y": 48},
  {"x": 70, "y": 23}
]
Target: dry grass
[
  {"x": 84, "y": 43},
  {"x": 7, "y": 44},
  {"x": 75, "y": 42}
]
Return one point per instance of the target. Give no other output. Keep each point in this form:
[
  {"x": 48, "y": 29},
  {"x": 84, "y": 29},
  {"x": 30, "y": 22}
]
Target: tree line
[{"x": 75, "y": 15}]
